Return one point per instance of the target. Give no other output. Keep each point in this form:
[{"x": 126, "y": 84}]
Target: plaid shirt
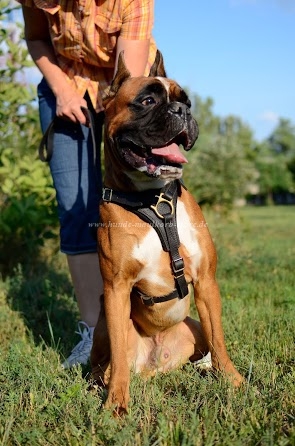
[{"x": 84, "y": 35}]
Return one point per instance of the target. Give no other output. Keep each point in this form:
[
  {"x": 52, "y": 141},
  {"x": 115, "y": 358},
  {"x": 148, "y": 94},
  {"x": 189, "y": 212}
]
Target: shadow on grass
[{"x": 46, "y": 304}]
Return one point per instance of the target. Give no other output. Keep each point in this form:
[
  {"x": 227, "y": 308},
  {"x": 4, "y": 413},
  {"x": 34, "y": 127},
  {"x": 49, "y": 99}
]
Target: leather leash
[{"x": 45, "y": 149}]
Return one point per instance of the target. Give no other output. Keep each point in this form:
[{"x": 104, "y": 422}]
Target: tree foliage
[
  {"x": 282, "y": 139},
  {"x": 19, "y": 122},
  {"x": 273, "y": 173},
  {"x": 26, "y": 192},
  {"x": 227, "y": 163},
  {"x": 275, "y": 161},
  {"x": 282, "y": 142},
  {"x": 219, "y": 169}
]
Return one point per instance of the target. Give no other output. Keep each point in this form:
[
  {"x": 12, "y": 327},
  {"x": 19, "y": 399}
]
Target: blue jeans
[{"x": 76, "y": 179}]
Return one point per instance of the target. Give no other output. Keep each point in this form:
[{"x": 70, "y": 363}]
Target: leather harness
[{"x": 158, "y": 208}]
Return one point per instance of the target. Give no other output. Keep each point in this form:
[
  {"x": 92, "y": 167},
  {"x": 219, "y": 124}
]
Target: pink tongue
[{"x": 170, "y": 153}]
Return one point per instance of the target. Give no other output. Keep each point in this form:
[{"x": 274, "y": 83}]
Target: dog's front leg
[
  {"x": 117, "y": 309},
  {"x": 208, "y": 302}
]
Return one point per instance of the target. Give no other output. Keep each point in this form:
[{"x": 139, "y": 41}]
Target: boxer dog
[{"x": 154, "y": 244}]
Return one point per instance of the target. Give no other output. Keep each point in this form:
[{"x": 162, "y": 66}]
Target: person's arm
[
  {"x": 136, "y": 54},
  {"x": 135, "y": 34},
  {"x": 68, "y": 101}
]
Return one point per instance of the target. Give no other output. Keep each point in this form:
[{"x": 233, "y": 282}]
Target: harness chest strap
[{"x": 161, "y": 215}]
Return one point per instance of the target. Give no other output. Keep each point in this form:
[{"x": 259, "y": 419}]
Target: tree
[
  {"x": 220, "y": 168},
  {"x": 282, "y": 139},
  {"x": 273, "y": 173},
  {"x": 275, "y": 161},
  {"x": 282, "y": 142}
]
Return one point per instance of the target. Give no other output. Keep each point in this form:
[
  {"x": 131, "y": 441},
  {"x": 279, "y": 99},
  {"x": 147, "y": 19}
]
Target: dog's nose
[{"x": 178, "y": 108}]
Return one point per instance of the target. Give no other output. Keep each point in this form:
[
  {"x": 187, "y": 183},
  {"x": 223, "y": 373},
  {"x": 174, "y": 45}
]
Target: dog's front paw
[
  {"x": 237, "y": 379},
  {"x": 233, "y": 376},
  {"x": 117, "y": 400}
]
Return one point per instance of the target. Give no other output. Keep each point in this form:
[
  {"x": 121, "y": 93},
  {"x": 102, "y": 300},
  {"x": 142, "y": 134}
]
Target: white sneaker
[
  {"x": 81, "y": 353},
  {"x": 205, "y": 363}
]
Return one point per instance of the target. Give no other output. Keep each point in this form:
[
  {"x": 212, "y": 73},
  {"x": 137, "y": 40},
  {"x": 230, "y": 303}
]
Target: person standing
[{"x": 76, "y": 44}]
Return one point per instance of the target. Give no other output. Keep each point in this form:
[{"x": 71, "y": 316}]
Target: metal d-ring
[{"x": 161, "y": 199}]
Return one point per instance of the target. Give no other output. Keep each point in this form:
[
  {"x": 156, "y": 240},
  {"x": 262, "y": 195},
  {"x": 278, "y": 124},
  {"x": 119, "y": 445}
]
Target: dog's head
[{"x": 147, "y": 119}]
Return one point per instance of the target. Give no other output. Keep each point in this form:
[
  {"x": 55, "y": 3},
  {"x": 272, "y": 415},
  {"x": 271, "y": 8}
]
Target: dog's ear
[
  {"x": 158, "y": 69},
  {"x": 121, "y": 75}
]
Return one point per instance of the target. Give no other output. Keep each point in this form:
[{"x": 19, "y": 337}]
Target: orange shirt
[{"x": 84, "y": 35}]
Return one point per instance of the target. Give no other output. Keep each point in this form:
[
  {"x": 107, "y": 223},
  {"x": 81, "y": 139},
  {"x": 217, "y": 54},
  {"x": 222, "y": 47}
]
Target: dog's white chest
[{"x": 148, "y": 251}]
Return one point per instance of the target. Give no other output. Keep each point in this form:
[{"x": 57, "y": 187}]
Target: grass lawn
[{"x": 41, "y": 404}]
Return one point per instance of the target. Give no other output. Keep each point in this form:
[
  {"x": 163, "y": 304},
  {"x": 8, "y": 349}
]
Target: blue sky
[{"x": 239, "y": 52}]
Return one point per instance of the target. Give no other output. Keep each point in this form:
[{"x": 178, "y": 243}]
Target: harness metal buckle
[
  {"x": 150, "y": 301},
  {"x": 161, "y": 199},
  {"x": 107, "y": 194},
  {"x": 178, "y": 268}
]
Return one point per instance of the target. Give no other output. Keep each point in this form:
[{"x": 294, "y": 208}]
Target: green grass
[{"x": 40, "y": 404}]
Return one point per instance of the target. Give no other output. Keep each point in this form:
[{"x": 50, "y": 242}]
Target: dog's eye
[{"x": 148, "y": 101}]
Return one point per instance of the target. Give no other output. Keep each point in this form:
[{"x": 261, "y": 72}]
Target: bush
[{"x": 28, "y": 217}]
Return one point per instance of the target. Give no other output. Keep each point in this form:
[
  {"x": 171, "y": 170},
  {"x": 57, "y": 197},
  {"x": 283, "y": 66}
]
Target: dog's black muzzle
[
  {"x": 181, "y": 117},
  {"x": 173, "y": 121}
]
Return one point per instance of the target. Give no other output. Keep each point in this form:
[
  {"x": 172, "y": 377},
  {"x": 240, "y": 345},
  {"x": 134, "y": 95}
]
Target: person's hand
[{"x": 68, "y": 105}]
